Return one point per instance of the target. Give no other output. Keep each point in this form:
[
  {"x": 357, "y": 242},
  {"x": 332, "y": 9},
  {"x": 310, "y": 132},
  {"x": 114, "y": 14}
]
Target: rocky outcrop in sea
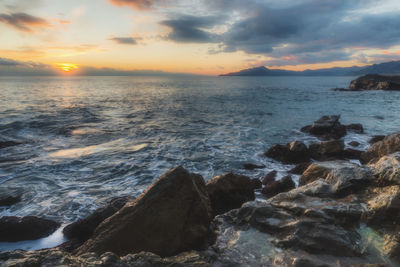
[{"x": 342, "y": 213}]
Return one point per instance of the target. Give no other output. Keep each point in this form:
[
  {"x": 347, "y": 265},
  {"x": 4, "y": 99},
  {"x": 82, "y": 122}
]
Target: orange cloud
[
  {"x": 136, "y": 4},
  {"x": 23, "y": 22}
]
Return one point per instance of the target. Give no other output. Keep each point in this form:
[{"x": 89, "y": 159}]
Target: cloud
[
  {"x": 9, "y": 62},
  {"x": 135, "y": 4},
  {"x": 125, "y": 40},
  {"x": 23, "y": 22},
  {"x": 192, "y": 29}
]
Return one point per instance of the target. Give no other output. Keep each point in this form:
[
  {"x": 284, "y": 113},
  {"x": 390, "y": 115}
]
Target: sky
[{"x": 188, "y": 36}]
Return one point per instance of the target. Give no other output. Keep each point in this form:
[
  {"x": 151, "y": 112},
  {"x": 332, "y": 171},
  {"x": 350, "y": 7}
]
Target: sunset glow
[{"x": 67, "y": 67}]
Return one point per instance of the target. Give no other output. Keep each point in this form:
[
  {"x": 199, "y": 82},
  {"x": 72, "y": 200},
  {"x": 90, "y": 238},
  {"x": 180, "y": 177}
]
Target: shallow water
[{"x": 88, "y": 139}]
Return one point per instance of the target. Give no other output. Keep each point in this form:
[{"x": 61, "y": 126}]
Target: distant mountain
[{"x": 391, "y": 68}]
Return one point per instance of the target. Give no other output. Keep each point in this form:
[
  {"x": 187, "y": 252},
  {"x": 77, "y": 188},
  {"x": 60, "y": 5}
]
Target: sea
[{"x": 86, "y": 140}]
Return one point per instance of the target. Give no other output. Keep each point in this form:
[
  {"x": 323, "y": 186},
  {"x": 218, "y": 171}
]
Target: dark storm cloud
[
  {"x": 124, "y": 40},
  {"x": 192, "y": 29},
  {"x": 23, "y": 22}
]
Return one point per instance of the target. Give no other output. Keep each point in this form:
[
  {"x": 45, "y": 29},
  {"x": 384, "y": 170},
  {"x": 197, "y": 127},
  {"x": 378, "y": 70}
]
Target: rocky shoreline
[
  {"x": 342, "y": 214},
  {"x": 373, "y": 82}
]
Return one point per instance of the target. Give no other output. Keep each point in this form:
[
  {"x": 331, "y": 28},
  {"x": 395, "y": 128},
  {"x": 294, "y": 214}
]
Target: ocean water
[{"x": 89, "y": 139}]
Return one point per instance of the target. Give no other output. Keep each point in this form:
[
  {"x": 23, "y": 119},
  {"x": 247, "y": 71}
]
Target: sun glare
[{"x": 67, "y": 67}]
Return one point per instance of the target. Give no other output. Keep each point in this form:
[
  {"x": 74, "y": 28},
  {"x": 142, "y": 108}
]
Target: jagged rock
[
  {"x": 375, "y": 82},
  {"x": 300, "y": 168},
  {"x": 392, "y": 245},
  {"x": 14, "y": 229},
  {"x": 384, "y": 207},
  {"x": 251, "y": 166},
  {"x": 345, "y": 177},
  {"x": 327, "y": 150},
  {"x": 355, "y": 127},
  {"x": 171, "y": 216},
  {"x": 388, "y": 145},
  {"x": 387, "y": 169},
  {"x": 283, "y": 185},
  {"x": 326, "y": 127},
  {"x": 270, "y": 177},
  {"x": 229, "y": 191},
  {"x": 294, "y": 152},
  {"x": 376, "y": 138},
  {"x": 354, "y": 144},
  {"x": 82, "y": 229}
]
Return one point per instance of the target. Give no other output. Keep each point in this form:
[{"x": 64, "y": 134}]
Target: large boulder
[
  {"x": 14, "y": 229},
  {"x": 345, "y": 177},
  {"x": 82, "y": 229},
  {"x": 384, "y": 207},
  {"x": 294, "y": 152},
  {"x": 326, "y": 128},
  {"x": 387, "y": 169},
  {"x": 375, "y": 82},
  {"x": 327, "y": 150},
  {"x": 171, "y": 216},
  {"x": 283, "y": 185},
  {"x": 388, "y": 145},
  {"x": 229, "y": 191}
]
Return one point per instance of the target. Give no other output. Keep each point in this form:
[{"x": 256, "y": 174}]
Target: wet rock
[
  {"x": 171, "y": 216},
  {"x": 350, "y": 153},
  {"x": 14, "y": 229},
  {"x": 283, "y": 185},
  {"x": 388, "y": 145},
  {"x": 4, "y": 144},
  {"x": 326, "y": 128},
  {"x": 345, "y": 177},
  {"x": 387, "y": 170},
  {"x": 229, "y": 191},
  {"x": 354, "y": 144},
  {"x": 9, "y": 197},
  {"x": 376, "y": 138},
  {"x": 256, "y": 183},
  {"x": 355, "y": 127},
  {"x": 375, "y": 82},
  {"x": 251, "y": 166},
  {"x": 82, "y": 229},
  {"x": 300, "y": 168},
  {"x": 327, "y": 150},
  {"x": 270, "y": 177},
  {"x": 294, "y": 152}
]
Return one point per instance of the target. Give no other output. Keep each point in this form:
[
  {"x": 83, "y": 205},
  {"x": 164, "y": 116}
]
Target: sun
[{"x": 67, "y": 67}]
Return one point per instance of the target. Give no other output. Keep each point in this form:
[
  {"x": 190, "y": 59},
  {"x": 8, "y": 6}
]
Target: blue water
[{"x": 88, "y": 139}]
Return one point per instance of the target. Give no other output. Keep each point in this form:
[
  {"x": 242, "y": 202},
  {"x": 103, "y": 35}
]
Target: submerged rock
[
  {"x": 14, "y": 229},
  {"x": 4, "y": 144},
  {"x": 354, "y": 143},
  {"x": 171, "y": 216},
  {"x": 376, "y": 82},
  {"x": 9, "y": 197},
  {"x": 294, "y": 152},
  {"x": 229, "y": 191},
  {"x": 283, "y": 185},
  {"x": 82, "y": 229},
  {"x": 326, "y": 127},
  {"x": 388, "y": 145},
  {"x": 251, "y": 166}
]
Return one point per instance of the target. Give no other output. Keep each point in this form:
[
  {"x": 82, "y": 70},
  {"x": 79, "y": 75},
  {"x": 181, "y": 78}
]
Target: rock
[
  {"x": 283, "y": 185},
  {"x": 251, "y": 166},
  {"x": 300, "y": 168},
  {"x": 256, "y": 183},
  {"x": 326, "y": 128},
  {"x": 387, "y": 170},
  {"x": 294, "y": 152},
  {"x": 376, "y": 138},
  {"x": 375, "y": 82},
  {"x": 270, "y": 177},
  {"x": 345, "y": 177},
  {"x": 327, "y": 150},
  {"x": 354, "y": 144},
  {"x": 171, "y": 216},
  {"x": 384, "y": 207},
  {"x": 388, "y": 145},
  {"x": 9, "y": 197},
  {"x": 350, "y": 153},
  {"x": 355, "y": 127},
  {"x": 14, "y": 229},
  {"x": 4, "y": 144},
  {"x": 84, "y": 228},
  {"x": 392, "y": 245},
  {"x": 229, "y": 191}
]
